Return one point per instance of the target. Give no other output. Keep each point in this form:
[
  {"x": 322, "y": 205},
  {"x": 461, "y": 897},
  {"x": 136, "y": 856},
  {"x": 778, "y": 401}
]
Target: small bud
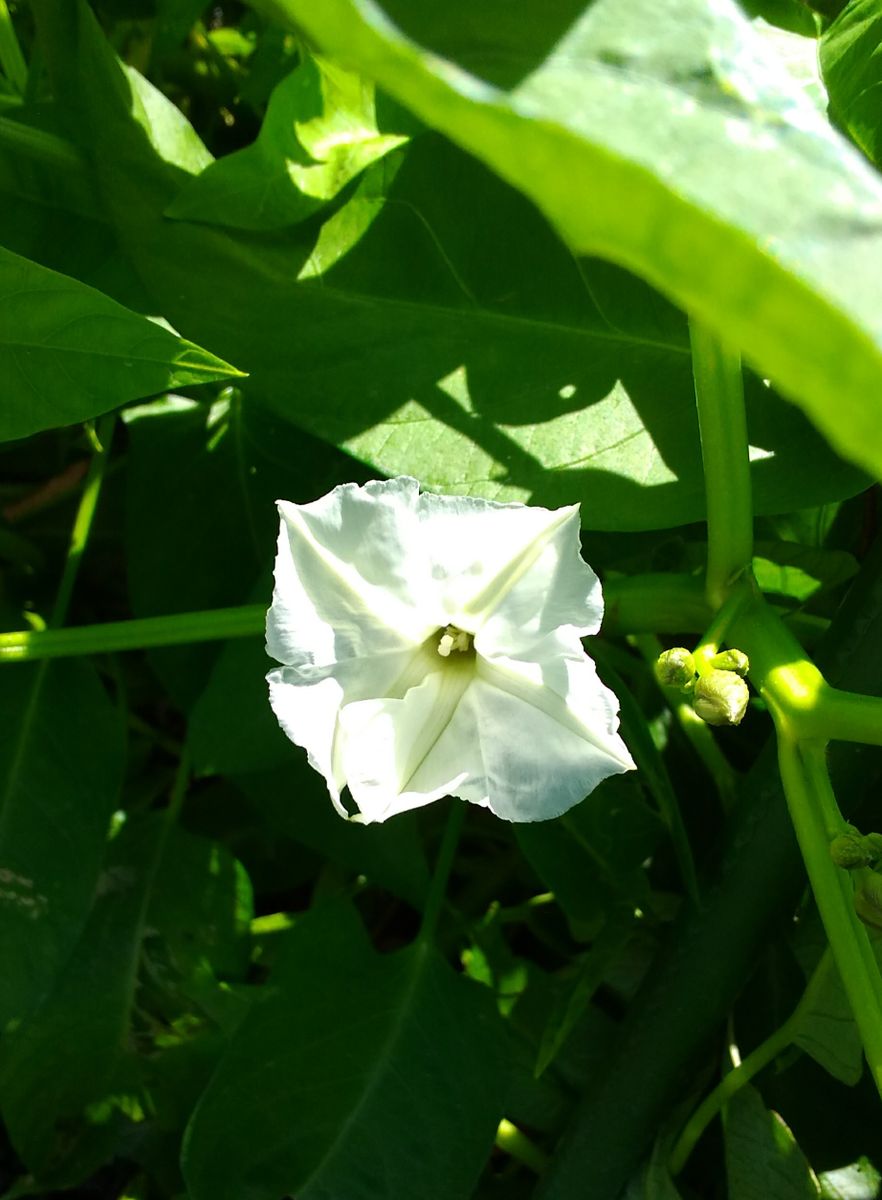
[
  {"x": 675, "y": 668},
  {"x": 721, "y": 698},
  {"x": 731, "y": 660},
  {"x": 850, "y": 850},
  {"x": 868, "y": 900}
]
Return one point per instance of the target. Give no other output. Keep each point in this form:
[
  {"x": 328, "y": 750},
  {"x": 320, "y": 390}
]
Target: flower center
[{"x": 454, "y": 639}]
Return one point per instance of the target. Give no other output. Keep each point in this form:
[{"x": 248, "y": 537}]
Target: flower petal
[
  {"x": 511, "y": 572},
  {"x": 548, "y": 734},
  {"x": 350, "y": 576},
  {"x": 307, "y": 703},
  {"x": 397, "y": 753}
]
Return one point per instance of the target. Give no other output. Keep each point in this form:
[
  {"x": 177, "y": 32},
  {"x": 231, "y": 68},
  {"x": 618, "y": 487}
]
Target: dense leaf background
[{"x": 292, "y": 244}]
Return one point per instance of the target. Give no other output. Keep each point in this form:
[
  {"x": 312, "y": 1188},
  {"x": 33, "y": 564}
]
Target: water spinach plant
[{"x": 482, "y": 294}]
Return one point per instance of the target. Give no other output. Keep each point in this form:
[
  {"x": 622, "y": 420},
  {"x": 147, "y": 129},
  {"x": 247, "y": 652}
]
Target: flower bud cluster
[{"x": 719, "y": 693}]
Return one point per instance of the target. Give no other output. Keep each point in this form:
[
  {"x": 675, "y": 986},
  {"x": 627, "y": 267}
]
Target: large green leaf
[
  {"x": 851, "y": 60},
  {"x": 435, "y": 325},
  {"x": 68, "y": 352},
  {"x": 355, "y": 1075},
  {"x": 61, "y": 761},
  {"x": 663, "y": 136}
]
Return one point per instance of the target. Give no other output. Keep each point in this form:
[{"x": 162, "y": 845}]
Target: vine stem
[
  {"x": 719, "y": 397},
  {"x": 639, "y": 603},
  {"x": 816, "y": 819},
  {"x": 759, "y": 1058}
]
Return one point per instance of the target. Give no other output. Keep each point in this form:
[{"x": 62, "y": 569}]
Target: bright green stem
[
  {"x": 11, "y": 58},
  {"x": 816, "y": 819},
  {"x": 662, "y": 602},
  {"x": 719, "y": 395},
  {"x": 83, "y": 521},
  {"x": 446, "y": 855},
  {"x": 755, "y": 1062},
  {"x": 518, "y": 1146},
  {"x": 179, "y": 629}
]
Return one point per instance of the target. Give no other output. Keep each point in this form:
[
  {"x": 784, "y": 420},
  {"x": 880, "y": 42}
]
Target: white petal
[
  {"x": 510, "y": 571},
  {"x": 351, "y": 576},
  {"x": 548, "y": 735},
  {"x": 307, "y": 703},
  {"x": 397, "y": 753}
]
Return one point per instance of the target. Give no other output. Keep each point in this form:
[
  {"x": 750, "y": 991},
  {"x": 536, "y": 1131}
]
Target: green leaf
[
  {"x": 355, "y": 1075},
  {"x": 294, "y": 801},
  {"x": 69, "y": 353},
  {"x": 590, "y": 858},
  {"x": 826, "y": 1029},
  {"x": 319, "y": 132},
  {"x": 61, "y": 763},
  {"x": 201, "y": 908},
  {"x": 799, "y": 572},
  {"x": 629, "y": 136},
  {"x": 68, "y": 1056},
  {"x": 851, "y": 62},
  {"x": 443, "y": 330},
  {"x": 762, "y": 1157}
]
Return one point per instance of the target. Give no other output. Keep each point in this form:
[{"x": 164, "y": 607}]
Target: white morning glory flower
[{"x": 431, "y": 646}]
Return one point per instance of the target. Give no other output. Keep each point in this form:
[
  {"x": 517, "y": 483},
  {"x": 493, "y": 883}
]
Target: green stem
[
  {"x": 816, "y": 819},
  {"x": 719, "y": 395},
  {"x": 446, "y": 855},
  {"x": 731, "y": 1083},
  {"x": 755, "y": 1062},
  {"x": 11, "y": 58},
  {"x": 83, "y": 521},
  {"x": 174, "y": 630},
  {"x": 663, "y": 602}
]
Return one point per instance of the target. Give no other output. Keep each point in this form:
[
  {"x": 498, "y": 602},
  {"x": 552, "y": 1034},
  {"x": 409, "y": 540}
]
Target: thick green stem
[
  {"x": 816, "y": 818},
  {"x": 719, "y": 395}
]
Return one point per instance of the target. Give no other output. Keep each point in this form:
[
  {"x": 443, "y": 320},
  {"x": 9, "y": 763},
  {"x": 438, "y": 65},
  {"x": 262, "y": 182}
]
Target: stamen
[{"x": 452, "y": 639}]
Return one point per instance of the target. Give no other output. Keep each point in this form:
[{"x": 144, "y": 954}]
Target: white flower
[{"x": 431, "y": 647}]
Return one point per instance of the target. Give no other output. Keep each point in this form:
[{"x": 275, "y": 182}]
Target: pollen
[{"x": 454, "y": 639}]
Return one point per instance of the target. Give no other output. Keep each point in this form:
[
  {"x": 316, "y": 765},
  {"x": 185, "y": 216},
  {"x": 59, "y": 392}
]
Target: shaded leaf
[
  {"x": 61, "y": 764},
  {"x": 69, "y": 1054},
  {"x": 410, "y": 1059},
  {"x": 762, "y": 1157}
]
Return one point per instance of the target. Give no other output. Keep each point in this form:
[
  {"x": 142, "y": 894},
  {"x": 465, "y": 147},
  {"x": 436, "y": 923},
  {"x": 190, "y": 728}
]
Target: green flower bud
[
  {"x": 868, "y": 900},
  {"x": 675, "y": 668},
  {"x": 850, "y": 850},
  {"x": 721, "y": 698},
  {"x": 731, "y": 660}
]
